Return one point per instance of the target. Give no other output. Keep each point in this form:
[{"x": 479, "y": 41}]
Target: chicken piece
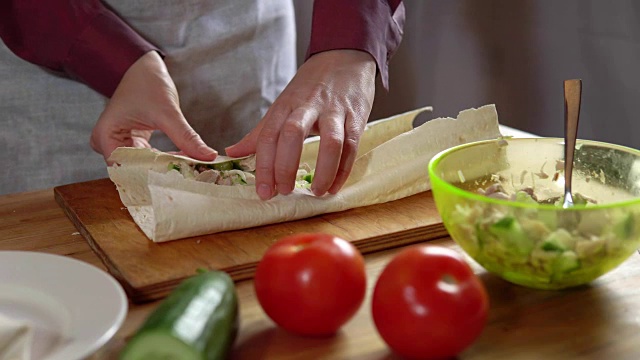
[{"x": 208, "y": 176}]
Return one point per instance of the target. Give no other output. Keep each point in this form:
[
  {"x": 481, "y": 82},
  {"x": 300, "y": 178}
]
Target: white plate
[{"x": 74, "y": 307}]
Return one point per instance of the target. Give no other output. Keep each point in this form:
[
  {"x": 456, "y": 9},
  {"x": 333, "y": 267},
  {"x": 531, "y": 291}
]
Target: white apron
[{"x": 229, "y": 60}]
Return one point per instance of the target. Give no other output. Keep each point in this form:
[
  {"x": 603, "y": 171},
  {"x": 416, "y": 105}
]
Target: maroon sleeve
[
  {"x": 81, "y": 38},
  {"x": 374, "y": 26}
]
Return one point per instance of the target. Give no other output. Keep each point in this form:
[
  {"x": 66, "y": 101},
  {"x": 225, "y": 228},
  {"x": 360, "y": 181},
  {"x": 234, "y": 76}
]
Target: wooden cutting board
[{"x": 149, "y": 270}]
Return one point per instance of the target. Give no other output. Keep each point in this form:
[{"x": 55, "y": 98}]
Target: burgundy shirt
[{"x": 80, "y": 37}]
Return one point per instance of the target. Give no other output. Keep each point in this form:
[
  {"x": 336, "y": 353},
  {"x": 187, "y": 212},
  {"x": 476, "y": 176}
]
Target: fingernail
[
  {"x": 264, "y": 191},
  {"x": 205, "y": 150},
  {"x": 315, "y": 191}
]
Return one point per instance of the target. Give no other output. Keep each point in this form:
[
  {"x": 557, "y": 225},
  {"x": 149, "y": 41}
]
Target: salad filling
[
  {"x": 560, "y": 248},
  {"x": 232, "y": 172}
]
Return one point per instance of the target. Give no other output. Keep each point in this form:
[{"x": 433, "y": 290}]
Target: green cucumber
[
  {"x": 308, "y": 178},
  {"x": 552, "y": 244},
  {"x": 624, "y": 228},
  {"x": 509, "y": 231},
  {"x": 198, "y": 320},
  {"x": 559, "y": 240},
  {"x": 227, "y": 165},
  {"x": 566, "y": 262}
]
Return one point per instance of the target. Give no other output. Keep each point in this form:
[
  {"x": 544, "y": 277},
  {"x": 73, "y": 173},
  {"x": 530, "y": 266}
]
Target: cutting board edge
[
  {"x": 73, "y": 199},
  {"x": 246, "y": 271},
  {"x": 95, "y": 247}
]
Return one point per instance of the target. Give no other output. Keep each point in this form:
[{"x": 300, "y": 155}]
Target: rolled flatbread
[{"x": 391, "y": 164}]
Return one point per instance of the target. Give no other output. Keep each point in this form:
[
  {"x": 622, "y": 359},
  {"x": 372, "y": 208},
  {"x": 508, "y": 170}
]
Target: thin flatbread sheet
[{"x": 391, "y": 164}]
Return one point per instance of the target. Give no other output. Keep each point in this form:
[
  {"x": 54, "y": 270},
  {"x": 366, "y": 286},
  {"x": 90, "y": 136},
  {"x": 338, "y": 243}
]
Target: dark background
[{"x": 458, "y": 54}]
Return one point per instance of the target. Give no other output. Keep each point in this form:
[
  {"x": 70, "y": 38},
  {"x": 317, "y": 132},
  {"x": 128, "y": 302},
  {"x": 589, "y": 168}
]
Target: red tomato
[
  {"x": 428, "y": 303},
  {"x": 311, "y": 284}
]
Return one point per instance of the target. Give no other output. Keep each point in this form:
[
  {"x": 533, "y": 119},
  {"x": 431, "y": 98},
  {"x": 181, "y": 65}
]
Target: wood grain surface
[
  {"x": 149, "y": 270},
  {"x": 597, "y": 321}
]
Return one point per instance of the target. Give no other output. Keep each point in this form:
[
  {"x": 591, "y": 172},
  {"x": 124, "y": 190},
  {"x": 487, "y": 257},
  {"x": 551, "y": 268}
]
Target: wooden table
[{"x": 600, "y": 321}]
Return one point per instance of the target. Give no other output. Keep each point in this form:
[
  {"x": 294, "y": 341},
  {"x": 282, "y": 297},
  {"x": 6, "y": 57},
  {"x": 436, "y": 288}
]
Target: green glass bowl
[{"x": 537, "y": 243}]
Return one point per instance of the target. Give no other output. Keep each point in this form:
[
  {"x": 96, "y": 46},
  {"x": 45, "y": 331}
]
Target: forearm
[
  {"x": 373, "y": 26},
  {"x": 80, "y": 38}
]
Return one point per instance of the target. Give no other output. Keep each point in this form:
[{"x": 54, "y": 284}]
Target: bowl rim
[{"x": 435, "y": 161}]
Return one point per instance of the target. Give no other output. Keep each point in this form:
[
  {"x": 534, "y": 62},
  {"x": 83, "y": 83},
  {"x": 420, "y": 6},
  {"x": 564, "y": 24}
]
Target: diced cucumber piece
[
  {"x": 559, "y": 240},
  {"x": 552, "y": 245},
  {"x": 223, "y": 166},
  {"x": 624, "y": 228},
  {"x": 308, "y": 178},
  {"x": 566, "y": 262},
  {"x": 509, "y": 231}
]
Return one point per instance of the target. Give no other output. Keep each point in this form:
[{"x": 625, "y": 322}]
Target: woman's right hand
[{"x": 145, "y": 100}]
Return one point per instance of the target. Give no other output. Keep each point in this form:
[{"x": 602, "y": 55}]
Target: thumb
[{"x": 187, "y": 139}]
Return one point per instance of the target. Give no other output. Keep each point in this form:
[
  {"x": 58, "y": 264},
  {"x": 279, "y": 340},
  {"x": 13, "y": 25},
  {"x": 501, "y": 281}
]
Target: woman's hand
[
  {"x": 332, "y": 95},
  {"x": 145, "y": 100}
]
